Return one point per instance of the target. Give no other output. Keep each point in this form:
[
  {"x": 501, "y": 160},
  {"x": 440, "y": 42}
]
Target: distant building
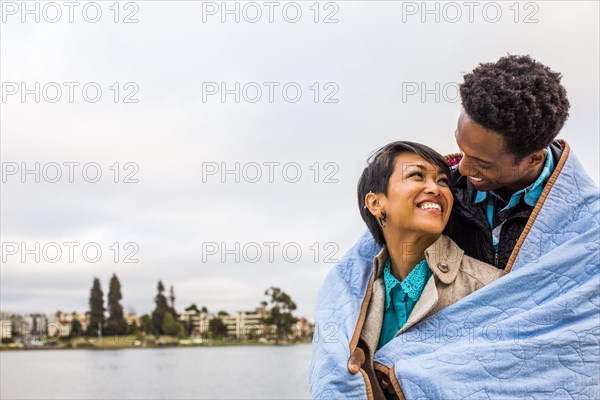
[
  {"x": 303, "y": 329},
  {"x": 195, "y": 321},
  {"x": 131, "y": 319},
  {"x": 60, "y": 324},
  {"x": 5, "y": 315},
  {"x": 34, "y": 327},
  {"x": 6, "y": 329},
  {"x": 246, "y": 324}
]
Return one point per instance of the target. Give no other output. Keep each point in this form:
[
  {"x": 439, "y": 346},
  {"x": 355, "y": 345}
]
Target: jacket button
[{"x": 443, "y": 267}]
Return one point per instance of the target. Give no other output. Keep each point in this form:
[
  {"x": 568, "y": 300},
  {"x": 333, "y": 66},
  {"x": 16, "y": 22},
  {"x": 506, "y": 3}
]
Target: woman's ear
[{"x": 374, "y": 202}]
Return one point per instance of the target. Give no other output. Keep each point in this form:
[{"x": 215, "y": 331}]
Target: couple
[{"x": 523, "y": 211}]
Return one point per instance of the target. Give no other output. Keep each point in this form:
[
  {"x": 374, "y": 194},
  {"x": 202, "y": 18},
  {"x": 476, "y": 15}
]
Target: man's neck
[{"x": 506, "y": 192}]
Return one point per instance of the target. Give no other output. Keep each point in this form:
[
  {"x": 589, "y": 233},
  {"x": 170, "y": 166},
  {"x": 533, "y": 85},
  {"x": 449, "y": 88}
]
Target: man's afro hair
[{"x": 519, "y": 98}]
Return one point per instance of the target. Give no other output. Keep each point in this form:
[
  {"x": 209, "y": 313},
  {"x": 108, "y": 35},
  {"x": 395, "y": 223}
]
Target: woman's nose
[{"x": 432, "y": 188}]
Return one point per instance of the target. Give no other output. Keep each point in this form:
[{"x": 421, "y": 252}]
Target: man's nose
[{"x": 466, "y": 167}]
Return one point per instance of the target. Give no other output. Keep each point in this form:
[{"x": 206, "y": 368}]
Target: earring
[{"x": 382, "y": 219}]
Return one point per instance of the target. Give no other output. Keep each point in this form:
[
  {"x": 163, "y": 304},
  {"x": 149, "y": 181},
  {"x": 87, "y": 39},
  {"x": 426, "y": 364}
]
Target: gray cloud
[{"x": 171, "y": 133}]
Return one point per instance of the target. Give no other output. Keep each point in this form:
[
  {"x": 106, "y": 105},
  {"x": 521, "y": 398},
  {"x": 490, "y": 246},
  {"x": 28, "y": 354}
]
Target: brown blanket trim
[
  {"x": 362, "y": 316},
  {"x": 391, "y": 374},
  {"x": 370, "y": 395},
  {"x": 359, "y": 325},
  {"x": 538, "y": 206},
  {"x": 396, "y": 384}
]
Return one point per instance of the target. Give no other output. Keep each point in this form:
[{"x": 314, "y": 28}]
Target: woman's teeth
[{"x": 426, "y": 206}]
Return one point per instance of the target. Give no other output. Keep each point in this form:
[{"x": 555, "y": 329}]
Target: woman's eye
[
  {"x": 444, "y": 181},
  {"x": 416, "y": 174}
]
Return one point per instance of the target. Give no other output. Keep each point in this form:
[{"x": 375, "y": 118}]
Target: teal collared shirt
[
  {"x": 400, "y": 298},
  {"x": 530, "y": 195}
]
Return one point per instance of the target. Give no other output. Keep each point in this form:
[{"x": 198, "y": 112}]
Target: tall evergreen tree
[
  {"x": 96, "y": 310},
  {"x": 76, "y": 328},
  {"x": 116, "y": 324},
  {"x": 172, "y": 302},
  {"x": 161, "y": 308}
]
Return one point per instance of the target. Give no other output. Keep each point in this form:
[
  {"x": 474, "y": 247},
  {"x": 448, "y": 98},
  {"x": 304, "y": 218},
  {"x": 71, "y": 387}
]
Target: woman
[{"x": 405, "y": 199}]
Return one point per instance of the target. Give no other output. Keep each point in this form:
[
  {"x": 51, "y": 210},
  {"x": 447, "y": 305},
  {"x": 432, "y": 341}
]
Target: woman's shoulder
[
  {"x": 473, "y": 268},
  {"x": 479, "y": 270}
]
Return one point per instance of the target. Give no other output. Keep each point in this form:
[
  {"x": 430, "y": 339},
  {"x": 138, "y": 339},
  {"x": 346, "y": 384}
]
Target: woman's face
[{"x": 419, "y": 199}]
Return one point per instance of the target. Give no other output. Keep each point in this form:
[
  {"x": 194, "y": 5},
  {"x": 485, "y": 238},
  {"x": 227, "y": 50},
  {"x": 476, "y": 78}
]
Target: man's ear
[
  {"x": 375, "y": 202},
  {"x": 537, "y": 158}
]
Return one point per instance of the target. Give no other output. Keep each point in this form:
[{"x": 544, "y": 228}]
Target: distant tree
[
  {"x": 76, "y": 328},
  {"x": 133, "y": 328},
  {"x": 217, "y": 328},
  {"x": 161, "y": 308},
  {"x": 18, "y": 326},
  {"x": 171, "y": 326},
  {"x": 96, "y": 310},
  {"x": 147, "y": 325},
  {"x": 189, "y": 323},
  {"x": 194, "y": 308},
  {"x": 116, "y": 324},
  {"x": 280, "y": 312},
  {"x": 172, "y": 302},
  {"x": 223, "y": 314},
  {"x": 204, "y": 310}
]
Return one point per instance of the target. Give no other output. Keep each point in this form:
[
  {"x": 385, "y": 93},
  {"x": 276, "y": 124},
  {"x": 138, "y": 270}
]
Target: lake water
[{"x": 236, "y": 372}]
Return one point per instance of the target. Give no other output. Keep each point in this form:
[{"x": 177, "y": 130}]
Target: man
[{"x": 512, "y": 112}]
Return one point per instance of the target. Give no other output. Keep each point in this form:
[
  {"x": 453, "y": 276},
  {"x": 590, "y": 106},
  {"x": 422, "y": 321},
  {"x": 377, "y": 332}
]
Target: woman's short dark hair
[
  {"x": 519, "y": 98},
  {"x": 376, "y": 176}
]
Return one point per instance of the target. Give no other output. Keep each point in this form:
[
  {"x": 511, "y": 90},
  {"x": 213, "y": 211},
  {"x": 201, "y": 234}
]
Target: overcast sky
[{"x": 315, "y": 99}]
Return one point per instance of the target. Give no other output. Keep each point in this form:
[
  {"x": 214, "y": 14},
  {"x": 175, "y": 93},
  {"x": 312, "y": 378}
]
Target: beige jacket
[{"x": 455, "y": 275}]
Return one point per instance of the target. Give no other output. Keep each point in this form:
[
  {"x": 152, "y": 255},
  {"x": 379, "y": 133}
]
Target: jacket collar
[{"x": 443, "y": 257}]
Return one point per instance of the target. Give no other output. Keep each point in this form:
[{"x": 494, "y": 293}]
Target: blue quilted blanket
[{"x": 533, "y": 334}]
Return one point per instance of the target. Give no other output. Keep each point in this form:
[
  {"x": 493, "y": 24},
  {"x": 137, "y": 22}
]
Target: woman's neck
[{"x": 406, "y": 251}]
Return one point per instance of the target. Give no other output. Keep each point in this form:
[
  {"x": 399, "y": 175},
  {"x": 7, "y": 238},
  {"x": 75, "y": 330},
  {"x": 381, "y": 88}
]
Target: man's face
[{"x": 485, "y": 161}]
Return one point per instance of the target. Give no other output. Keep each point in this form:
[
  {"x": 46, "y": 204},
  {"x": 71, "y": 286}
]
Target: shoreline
[{"x": 121, "y": 346}]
